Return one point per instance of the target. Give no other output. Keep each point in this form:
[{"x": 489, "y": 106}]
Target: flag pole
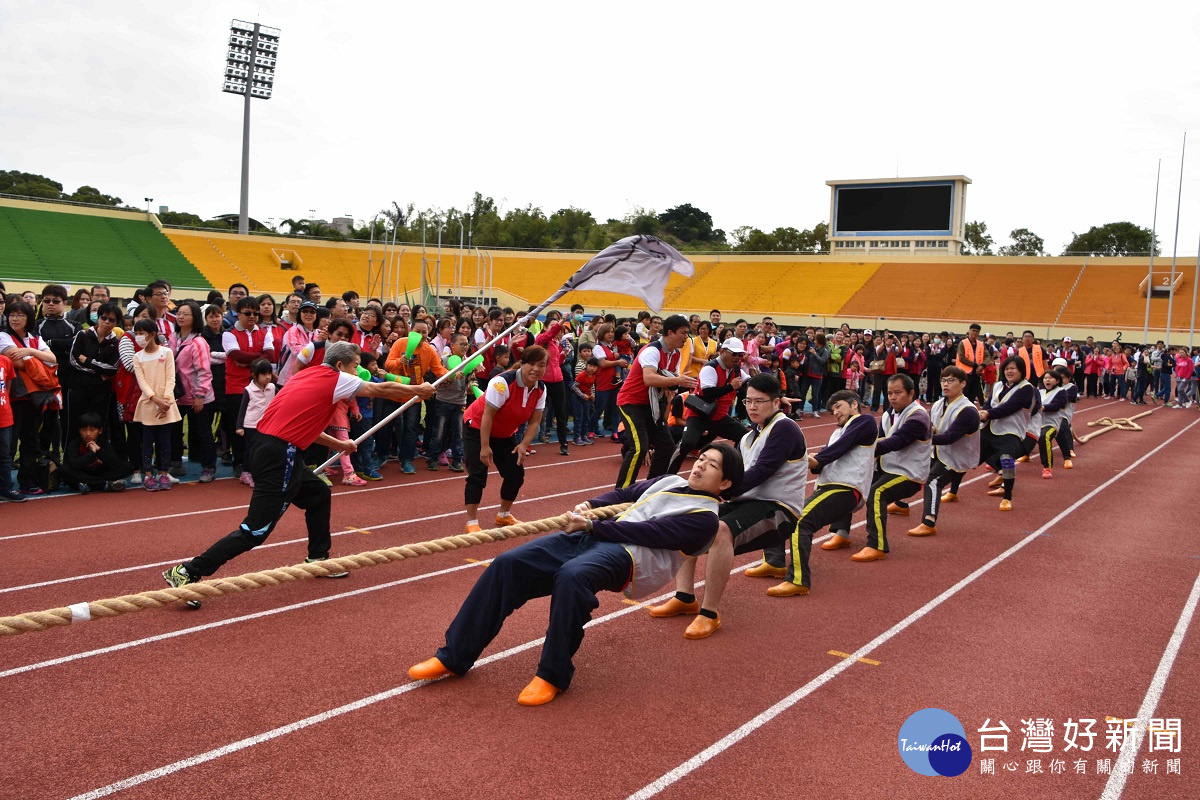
[
  {"x": 1175, "y": 249},
  {"x": 408, "y": 403},
  {"x": 1150, "y": 269}
]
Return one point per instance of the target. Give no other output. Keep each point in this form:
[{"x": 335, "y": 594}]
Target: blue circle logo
[{"x": 933, "y": 742}]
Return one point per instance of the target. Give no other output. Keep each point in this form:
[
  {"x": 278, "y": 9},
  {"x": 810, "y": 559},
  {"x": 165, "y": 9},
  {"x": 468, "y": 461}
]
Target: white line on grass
[{"x": 736, "y": 736}]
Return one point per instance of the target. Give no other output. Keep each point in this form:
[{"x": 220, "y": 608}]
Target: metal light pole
[
  {"x": 250, "y": 72},
  {"x": 1175, "y": 248},
  {"x": 1150, "y": 269}
]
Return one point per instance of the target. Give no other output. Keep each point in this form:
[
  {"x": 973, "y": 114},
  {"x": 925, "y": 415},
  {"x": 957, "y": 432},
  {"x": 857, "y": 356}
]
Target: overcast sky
[{"x": 1058, "y": 111}]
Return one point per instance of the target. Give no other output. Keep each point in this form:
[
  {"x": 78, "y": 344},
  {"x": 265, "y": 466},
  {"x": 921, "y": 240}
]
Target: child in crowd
[
  {"x": 502, "y": 356},
  {"x": 363, "y": 458},
  {"x": 1184, "y": 369},
  {"x": 583, "y": 398},
  {"x": 255, "y": 398},
  {"x": 793, "y": 381},
  {"x": 855, "y": 365},
  {"x": 445, "y": 430},
  {"x": 154, "y": 367},
  {"x": 339, "y": 428},
  {"x": 7, "y": 492},
  {"x": 90, "y": 462}
]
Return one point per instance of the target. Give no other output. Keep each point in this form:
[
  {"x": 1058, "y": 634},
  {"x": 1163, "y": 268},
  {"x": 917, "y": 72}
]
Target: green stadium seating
[{"x": 79, "y": 249}]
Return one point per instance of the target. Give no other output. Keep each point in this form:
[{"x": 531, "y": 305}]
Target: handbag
[
  {"x": 877, "y": 366},
  {"x": 701, "y": 406},
  {"x": 900, "y": 362}
]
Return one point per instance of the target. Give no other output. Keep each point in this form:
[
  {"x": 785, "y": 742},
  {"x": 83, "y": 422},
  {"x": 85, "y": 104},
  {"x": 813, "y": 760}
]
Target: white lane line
[
  {"x": 1129, "y": 750},
  {"x": 336, "y": 495},
  {"x": 736, "y": 736},
  {"x": 380, "y": 526},
  {"x": 356, "y": 705}
]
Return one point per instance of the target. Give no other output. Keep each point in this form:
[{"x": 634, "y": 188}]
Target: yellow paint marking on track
[
  {"x": 471, "y": 560},
  {"x": 358, "y": 530},
  {"x": 840, "y": 654},
  {"x": 629, "y": 602}
]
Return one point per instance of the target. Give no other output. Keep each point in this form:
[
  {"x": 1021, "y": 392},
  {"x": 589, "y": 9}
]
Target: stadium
[{"x": 420, "y": 473}]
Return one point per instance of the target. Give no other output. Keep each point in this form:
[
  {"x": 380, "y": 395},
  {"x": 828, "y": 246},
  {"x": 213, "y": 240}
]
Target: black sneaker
[
  {"x": 330, "y": 575},
  {"x": 115, "y": 486},
  {"x": 12, "y": 497}
]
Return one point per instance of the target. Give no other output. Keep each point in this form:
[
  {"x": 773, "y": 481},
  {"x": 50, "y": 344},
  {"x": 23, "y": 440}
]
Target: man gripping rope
[{"x": 955, "y": 423}]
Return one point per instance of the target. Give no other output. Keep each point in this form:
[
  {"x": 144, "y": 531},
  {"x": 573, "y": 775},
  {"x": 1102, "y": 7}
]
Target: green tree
[
  {"x": 1025, "y": 243},
  {"x": 1114, "y": 239},
  {"x": 752, "y": 240},
  {"x": 29, "y": 185},
  {"x": 570, "y": 228},
  {"x": 978, "y": 241},
  {"x": 689, "y": 224},
  {"x": 90, "y": 194},
  {"x": 527, "y": 227}
]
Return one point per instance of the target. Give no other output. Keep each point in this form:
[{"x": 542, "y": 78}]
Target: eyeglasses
[
  {"x": 753, "y": 402},
  {"x": 51, "y": 300},
  {"x": 248, "y": 313},
  {"x": 109, "y": 320},
  {"x": 162, "y": 294}
]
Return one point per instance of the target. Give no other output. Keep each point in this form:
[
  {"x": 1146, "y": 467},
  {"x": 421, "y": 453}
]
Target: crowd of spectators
[{"x": 98, "y": 393}]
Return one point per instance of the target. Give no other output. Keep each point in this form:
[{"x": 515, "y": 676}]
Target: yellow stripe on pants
[
  {"x": 798, "y": 566},
  {"x": 879, "y": 512},
  {"x": 631, "y": 429}
]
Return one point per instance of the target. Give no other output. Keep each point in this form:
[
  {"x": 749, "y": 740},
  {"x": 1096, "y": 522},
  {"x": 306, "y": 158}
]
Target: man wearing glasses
[
  {"x": 54, "y": 329},
  {"x": 244, "y": 343},
  {"x": 159, "y": 295},
  {"x": 94, "y": 361}
]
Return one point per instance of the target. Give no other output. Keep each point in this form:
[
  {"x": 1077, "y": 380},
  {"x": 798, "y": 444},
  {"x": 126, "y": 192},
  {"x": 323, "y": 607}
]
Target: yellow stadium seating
[{"x": 1108, "y": 295}]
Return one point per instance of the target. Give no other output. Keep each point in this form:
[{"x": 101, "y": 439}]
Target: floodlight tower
[{"x": 250, "y": 72}]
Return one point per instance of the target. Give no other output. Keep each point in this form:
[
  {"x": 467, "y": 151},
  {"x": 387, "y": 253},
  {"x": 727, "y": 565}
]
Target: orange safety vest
[
  {"x": 1038, "y": 363},
  {"x": 966, "y": 343}
]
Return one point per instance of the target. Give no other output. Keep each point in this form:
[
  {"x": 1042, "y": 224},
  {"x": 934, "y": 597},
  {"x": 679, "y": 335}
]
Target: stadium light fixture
[{"x": 249, "y": 72}]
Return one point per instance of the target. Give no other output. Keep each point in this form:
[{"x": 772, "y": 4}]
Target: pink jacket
[
  {"x": 194, "y": 368},
  {"x": 1184, "y": 368},
  {"x": 549, "y": 339}
]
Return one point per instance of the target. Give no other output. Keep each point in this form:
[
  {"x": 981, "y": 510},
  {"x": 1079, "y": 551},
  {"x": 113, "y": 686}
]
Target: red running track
[{"x": 301, "y": 691}]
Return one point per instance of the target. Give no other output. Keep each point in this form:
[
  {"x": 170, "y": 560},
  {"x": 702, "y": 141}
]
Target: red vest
[
  {"x": 302, "y": 409},
  {"x": 510, "y": 416},
  {"x": 634, "y": 391},
  {"x": 725, "y": 401},
  {"x": 237, "y": 376},
  {"x": 605, "y": 375}
]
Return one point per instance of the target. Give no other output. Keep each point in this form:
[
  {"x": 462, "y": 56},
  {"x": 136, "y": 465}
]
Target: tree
[
  {"x": 978, "y": 241},
  {"x": 90, "y": 194},
  {"x": 1025, "y": 243},
  {"x": 527, "y": 228},
  {"x": 1114, "y": 239},
  {"x": 689, "y": 224},
  {"x": 570, "y": 228},
  {"x": 29, "y": 185}
]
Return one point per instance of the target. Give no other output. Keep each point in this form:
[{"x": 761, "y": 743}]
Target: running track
[{"x": 1076, "y": 604}]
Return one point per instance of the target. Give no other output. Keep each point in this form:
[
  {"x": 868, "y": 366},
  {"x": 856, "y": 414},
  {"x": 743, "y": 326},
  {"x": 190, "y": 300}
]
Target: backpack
[{"x": 45, "y": 473}]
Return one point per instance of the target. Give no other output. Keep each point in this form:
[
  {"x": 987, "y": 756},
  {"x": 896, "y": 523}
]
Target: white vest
[
  {"x": 1053, "y": 419},
  {"x": 787, "y": 485},
  {"x": 855, "y": 469},
  {"x": 655, "y": 567},
  {"x": 960, "y": 455},
  {"x": 913, "y": 461},
  {"x": 1014, "y": 424}
]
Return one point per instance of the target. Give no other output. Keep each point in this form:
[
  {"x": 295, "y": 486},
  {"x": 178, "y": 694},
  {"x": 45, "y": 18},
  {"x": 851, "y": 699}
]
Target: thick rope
[
  {"x": 1107, "y": 424},
  {"x": 204, "y": 590}
]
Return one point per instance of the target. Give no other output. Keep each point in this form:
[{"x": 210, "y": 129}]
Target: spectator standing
[
  {"x": 30, "y": 355},
  {"x": 154, "y": 368}
]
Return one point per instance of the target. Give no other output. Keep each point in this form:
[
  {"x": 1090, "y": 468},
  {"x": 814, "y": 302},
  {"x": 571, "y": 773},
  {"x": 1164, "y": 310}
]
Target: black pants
[
  {"x": 886, "y": 488},
  {"x": 231, "y": 404},
  {"x": 556, "y": 393},
  {"x": 879, "y": 392},
  {"x": 156, "y": 441},
  {"x": 642, "y": 434},
  {"x": 502, "y": 456},
  {"x": 1000, "y": 453},
  {"x": 940, "y": 477},
  {"x": 570, "y": 568},
  {"x": 201, "y": 447},
  {"x": 1065, "y": 439},
  {"x": 280, "y": 479},
  {"x": 830, "y": 505},
  {"x": 96, "y": 479},
  {"x": 700, "y": 431},
  {"x": 1046, "y": 445},
  {"x": 26, "y": 420},
  {"x": 974, "y": 389}
]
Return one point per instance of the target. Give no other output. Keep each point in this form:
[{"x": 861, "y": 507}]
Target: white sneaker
[
  {"x": 1188, "y": 404},
  {"x": 172, "y": 478},
  {"x": 136, "y": 480}
]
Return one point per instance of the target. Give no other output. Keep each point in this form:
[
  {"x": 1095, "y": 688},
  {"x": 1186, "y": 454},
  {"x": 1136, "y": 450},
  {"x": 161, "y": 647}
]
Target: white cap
[
  {"x": 1067, "y": 340},
  {"x": 868, "y": 332},
  {"x": 1059, "y": 362},
  {"x": 733, "y": 345}
]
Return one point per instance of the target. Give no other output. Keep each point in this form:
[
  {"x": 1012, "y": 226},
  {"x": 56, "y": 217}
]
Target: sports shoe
[
  {"x": 456, "y": 466},
  {"x": 178, "y": 576},
  {"x": 369, "y": 475},
  {"x": 164, "y": 482},
  {"x": 444, "y": 458},
  {"x": 150, "y": 483},
  {"x": 330, "y": 575},
  {"x": 136, "y": 480},
  {"x": 591, "y": 437},
  {"x": 171, "y": 478},
  {"x": 353, "y": 480},
  {"x": 432, "y": 466},
  {"x": 1047, "y": 474},
  {"x": 529, "y": 451},
  {"x": 207, "y": 475},
  {"x": 12, "y": 497},
  {"x": 246, "y": 479},
  {"x": 115, "y": 486},
  {"x": 325, "y": 479},
  {"x": 615, "y": 438},
  {"x": 562, "y": 450},
  {"x": 1068, "y": 465},
  {"x": 408, "y": 469},
  {"x": 504, "y": 520},
  {"x": 83, "y": 488}
]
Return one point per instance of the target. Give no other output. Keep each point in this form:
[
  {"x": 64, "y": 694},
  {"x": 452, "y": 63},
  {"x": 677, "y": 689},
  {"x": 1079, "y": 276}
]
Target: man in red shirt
[{"x": 295, "y": 419}]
